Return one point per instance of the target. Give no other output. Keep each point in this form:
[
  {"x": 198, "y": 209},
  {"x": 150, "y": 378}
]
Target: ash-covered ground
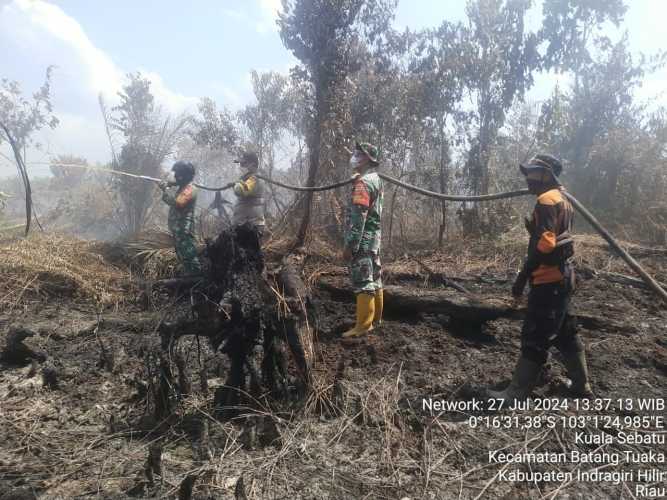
[{"x": 361, "y": 432}]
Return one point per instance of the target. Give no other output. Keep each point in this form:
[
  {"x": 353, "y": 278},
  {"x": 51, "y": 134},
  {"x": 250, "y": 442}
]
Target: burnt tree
[{"x": 259, "y": 320}]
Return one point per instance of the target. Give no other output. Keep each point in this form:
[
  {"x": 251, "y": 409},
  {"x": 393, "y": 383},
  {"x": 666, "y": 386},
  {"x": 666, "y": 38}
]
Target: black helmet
[
  {"x": 184, "y": 169},
  {"x": 543, "y": 162}
]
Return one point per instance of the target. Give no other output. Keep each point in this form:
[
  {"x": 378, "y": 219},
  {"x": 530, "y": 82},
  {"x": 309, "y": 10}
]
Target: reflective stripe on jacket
[
  {"x": 550, "y": 244},
  {"x": 249, "y": 205}
]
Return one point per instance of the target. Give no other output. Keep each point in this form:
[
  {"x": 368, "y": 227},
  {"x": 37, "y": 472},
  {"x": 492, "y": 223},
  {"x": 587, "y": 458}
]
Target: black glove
[
  {"x": 529, "y": 225},
  {"x": 519, "y": 283}
]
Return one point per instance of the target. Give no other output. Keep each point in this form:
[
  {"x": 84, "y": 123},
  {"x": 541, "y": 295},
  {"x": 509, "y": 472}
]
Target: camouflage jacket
[
  {"x": 364, "y": 214},
  {"x": 181, "y": 209}
]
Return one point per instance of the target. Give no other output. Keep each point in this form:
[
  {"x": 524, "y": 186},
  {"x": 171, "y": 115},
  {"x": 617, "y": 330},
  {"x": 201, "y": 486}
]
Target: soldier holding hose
[{"x": 181, "y": 220}]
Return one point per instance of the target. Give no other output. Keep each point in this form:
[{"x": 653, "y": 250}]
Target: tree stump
[{"x": 259, "y": 320}]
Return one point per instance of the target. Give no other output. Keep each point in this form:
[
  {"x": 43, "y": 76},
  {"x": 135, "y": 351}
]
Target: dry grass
[
  {"x": 504, "y": 256},
  {"x": 150, "y": 253},
  {"x": 48, "y": 266},
  {"x": 158, "y": 263}
]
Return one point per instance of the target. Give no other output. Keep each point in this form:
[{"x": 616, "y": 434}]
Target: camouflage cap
[{"x": 371, "y": 151}]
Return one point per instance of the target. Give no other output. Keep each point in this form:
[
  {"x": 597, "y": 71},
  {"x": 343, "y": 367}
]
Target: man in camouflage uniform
[
  {"x": 181, "y": 219},
  {"x": 549, "y": 268},
  {"x": 363, "y": 238}
]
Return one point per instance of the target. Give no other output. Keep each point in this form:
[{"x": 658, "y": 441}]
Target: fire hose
[{"x": 602, "y": 231}]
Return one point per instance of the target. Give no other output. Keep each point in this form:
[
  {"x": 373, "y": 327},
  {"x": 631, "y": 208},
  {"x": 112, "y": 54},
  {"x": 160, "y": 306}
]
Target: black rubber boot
[
  {"x": 577, "y": 370},
  {"x": 523, "y": 381}
]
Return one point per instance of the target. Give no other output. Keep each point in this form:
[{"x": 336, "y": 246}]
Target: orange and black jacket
[{"x": 550, "y": 244}]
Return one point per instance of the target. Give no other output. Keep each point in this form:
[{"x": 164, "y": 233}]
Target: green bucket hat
[{"x": 369, "y": 150}]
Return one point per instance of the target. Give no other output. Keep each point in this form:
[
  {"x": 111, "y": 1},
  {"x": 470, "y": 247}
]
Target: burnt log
[
  {"x": 618, "y": 278},
  {"x": 187, "y": 485},
  {"x": 259, "y": 322},
  {"x": 237, "y": 267},
  {"x": 300, "y": 321},
  {"x": 461, "y": 308},
  {"x": 203, "y": 380},
  {"x": 153, "y": 465},
  {"x": 177, "y": 283},
  {"x": 164, "y": 403},
  {"x": 401, "y": 300},
  {"x": 16, "y": 351},
  {"x": 239, "y": 490}
]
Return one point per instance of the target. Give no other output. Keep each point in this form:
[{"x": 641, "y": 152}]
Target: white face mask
[{"x": 356, "y": 161}]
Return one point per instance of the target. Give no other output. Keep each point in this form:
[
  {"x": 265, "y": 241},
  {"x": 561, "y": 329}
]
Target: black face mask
[
  {"x": 181, "y": 179},
  {"x": 535, "y": 187}
]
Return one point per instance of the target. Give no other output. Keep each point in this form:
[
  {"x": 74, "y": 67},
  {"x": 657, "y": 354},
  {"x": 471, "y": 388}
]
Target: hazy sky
[{"x": 190, "y": 50}]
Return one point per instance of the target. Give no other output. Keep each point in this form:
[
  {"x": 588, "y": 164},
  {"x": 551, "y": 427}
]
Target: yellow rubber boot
[
  {"x": 379, "y": 307},
  {"x": 365, "y": 313}
]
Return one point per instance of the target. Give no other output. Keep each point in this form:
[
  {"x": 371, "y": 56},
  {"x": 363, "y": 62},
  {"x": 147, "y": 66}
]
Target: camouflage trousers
[
  {"x": 366, "y": 272},
  {"x": 186, "y": 251}
]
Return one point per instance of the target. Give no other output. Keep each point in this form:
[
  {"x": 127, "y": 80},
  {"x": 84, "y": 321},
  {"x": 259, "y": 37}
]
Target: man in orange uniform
[{"x": 549, "y": 268}]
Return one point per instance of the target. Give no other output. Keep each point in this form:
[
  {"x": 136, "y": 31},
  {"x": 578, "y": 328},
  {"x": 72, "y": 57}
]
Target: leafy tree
[
  {"x": 579, "y": 124},
  {"x": 213, "y": 128},
  {"x": 323, "y": 35},
  {"x": 439, "y": 71},
  {"x": 134, "y": 117},
  {"x": 149, "y": 137},
  {"x": 20, "y": 118},
  {"x": 499, "y": 57},
  {"x": 266, "y": 119},
  {"x": 569, "y": 27}
]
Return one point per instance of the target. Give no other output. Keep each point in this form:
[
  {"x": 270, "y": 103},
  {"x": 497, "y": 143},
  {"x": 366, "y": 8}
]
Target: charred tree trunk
[
  {"x": 444, "y": 160},
  {"x": 314, "y": 143},
  {"x": 258, "y": 326},
  {"x": 237, "y": 267},
  {"x": 391, "y": 216},
  {"x": 299, "y": 324}
]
